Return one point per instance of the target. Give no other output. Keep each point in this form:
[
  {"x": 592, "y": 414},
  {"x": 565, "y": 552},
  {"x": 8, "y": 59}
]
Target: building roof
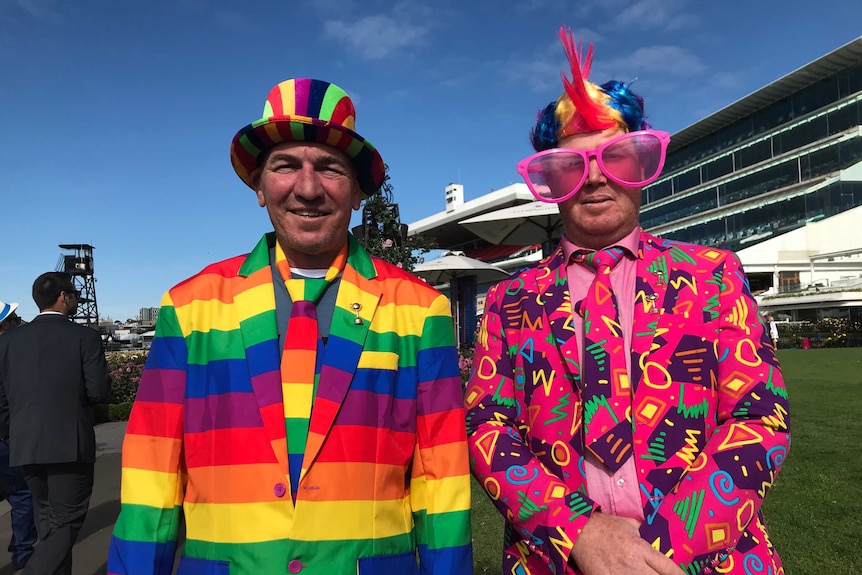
[
  {"x": 76, "y": 247},
  {"x": 449, "y": 234},
  {"x": 848, "y": 55}
]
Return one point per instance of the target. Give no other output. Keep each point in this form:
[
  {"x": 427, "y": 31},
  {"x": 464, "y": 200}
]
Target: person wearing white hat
[
  {"x": 15, "y": 487},
  {"x": 8, "y": 317}
]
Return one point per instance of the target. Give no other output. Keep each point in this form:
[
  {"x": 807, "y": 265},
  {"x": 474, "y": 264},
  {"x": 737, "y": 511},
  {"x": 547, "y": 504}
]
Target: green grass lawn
[{"x": 814, "y": 511}]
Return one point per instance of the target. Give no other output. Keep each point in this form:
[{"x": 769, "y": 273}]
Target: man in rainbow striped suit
[{"x": 285, "y": 450}]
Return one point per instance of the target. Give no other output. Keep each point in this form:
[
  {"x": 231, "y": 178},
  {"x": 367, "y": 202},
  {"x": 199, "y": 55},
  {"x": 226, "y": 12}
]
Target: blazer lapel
[
  {"x": 553, "y": 288},
  {"x": 653, "y": 269},
  {"x": 254, "y": 298},
  {"x": 345, "y": 345}
]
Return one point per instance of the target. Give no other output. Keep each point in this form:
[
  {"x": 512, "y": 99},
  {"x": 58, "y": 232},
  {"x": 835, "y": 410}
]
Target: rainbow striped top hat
[{"x": 306, "y": 110}]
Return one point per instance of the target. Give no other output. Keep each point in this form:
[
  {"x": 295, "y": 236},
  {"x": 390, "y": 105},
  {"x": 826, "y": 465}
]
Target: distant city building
[{"x": 148, "y": 315}]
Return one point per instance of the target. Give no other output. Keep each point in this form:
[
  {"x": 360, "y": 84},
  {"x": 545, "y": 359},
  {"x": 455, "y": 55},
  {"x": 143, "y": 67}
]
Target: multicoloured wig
[{"x": 584, "y": 106}]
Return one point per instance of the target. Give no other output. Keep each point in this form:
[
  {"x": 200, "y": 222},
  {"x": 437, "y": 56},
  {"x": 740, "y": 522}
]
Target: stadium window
[{"x": 788, "y": 281}]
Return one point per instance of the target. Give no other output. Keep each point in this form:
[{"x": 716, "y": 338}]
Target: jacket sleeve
[
  {"x": 543, "y": 509},
  {"x": 153, "y": 475},
  {"x": 740, "y": 460},
  {"x": 440, "y": 478},
  {"x": 97, "y": 380}
]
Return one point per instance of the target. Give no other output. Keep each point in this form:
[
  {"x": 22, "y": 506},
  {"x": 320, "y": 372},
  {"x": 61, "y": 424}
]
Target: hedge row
[
  {"x": 827, "y": 332},
  {"x": 106, "y": 412}
]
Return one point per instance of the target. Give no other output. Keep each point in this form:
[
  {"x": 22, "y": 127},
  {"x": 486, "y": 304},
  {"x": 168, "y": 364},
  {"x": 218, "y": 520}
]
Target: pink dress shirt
[{"x": 617, "y": 493}]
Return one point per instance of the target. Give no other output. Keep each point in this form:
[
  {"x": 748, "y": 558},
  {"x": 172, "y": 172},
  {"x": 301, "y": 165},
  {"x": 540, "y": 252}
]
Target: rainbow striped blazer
[{"x": 387, "y": 484}]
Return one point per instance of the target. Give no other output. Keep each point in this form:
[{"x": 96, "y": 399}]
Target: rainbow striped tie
[
  {"x": 301, "y": 358},
  {"x": 605, "y": 389}
]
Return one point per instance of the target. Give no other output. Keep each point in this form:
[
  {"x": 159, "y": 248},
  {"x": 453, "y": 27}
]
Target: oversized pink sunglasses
[{"x": 633, "y": 160}]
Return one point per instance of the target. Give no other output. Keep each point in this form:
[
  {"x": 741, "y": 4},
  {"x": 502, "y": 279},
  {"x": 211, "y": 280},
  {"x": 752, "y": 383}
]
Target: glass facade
[
  {"x": 764, "y": 174},
  {"x": 739, "y": 230},
  {"x": 814, "y": 97}
]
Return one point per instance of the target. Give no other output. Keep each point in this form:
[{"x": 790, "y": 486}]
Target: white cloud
[
  {"x": 726, "y": 81},
  {"x": 651, "y": 63},
  {"x": 537, "y": 74},
  {"x": 379, "y": 36},
  {"x": 664, "y": 14},
  {"x": 17, "y": 17},
  {"x": 683, "y": 22},
  {"x": 38, "y": 9},
  {"x": 541, "y": 71}
]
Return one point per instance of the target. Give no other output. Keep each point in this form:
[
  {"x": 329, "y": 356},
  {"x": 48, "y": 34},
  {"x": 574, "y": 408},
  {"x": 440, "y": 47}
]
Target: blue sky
[{"x": 118, "y": 115}]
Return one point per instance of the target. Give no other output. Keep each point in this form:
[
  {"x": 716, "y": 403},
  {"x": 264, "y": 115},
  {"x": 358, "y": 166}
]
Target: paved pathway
[{"x": 91, "y": 551}]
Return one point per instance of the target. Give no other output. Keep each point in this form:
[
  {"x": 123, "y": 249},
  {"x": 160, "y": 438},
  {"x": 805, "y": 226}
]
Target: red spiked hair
[{"x": 587, "y": 110}]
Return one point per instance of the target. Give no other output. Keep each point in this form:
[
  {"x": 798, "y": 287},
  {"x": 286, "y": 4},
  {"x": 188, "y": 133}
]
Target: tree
[{"x": 383, "y": 234}]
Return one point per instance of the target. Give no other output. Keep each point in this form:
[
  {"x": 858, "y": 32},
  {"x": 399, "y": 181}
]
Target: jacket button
[
  {"x": 279, "y": 491},
  {"x": 294, "y": 566}
]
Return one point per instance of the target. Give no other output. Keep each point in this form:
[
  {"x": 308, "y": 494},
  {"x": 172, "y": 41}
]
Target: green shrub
[
  {"x": 105, "y": 412},
  {"x": 119, "y": 411}
]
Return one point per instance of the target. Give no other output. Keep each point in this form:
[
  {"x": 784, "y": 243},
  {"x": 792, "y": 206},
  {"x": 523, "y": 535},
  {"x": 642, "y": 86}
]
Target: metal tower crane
[{"x": 80, "y": 266}]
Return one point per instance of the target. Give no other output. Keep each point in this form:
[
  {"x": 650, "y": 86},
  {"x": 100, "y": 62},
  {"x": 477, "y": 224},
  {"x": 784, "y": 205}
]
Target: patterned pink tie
[{"x": 605, "y": 389}]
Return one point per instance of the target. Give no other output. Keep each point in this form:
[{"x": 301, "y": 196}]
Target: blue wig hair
[
  {"x": 544, "y": 133},
  {"x": 627, "y": 103}
]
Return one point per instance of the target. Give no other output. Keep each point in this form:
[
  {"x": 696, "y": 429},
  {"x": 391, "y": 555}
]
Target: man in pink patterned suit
[{"x": 626, "y": 411}]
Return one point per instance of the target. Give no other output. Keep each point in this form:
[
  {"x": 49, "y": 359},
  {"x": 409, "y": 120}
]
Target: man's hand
[{"x": 610, "y": 545}]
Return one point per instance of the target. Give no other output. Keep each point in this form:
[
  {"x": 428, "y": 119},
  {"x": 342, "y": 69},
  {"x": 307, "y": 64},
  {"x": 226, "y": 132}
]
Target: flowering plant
[
  {"x": 465, "y": 361},
  {"x": 125, "y": 369}
]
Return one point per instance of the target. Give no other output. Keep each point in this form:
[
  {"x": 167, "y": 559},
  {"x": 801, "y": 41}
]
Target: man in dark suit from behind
[{"x": 52, "y": 371}]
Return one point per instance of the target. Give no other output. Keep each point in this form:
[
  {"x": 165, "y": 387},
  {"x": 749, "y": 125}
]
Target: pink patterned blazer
[{"x": 710, "y": 412}]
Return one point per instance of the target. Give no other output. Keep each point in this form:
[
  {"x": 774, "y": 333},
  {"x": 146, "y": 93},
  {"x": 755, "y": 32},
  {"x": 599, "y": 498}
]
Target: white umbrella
[
  {"x": 450, "y": 266},
  {"x": 522, "y": 225},
  {"x": 455, "y": 264}
]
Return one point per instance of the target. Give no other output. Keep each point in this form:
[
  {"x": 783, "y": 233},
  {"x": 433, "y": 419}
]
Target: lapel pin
[
  {"x": 652, "y": 299},
  {"x": 356, "y": 307}
]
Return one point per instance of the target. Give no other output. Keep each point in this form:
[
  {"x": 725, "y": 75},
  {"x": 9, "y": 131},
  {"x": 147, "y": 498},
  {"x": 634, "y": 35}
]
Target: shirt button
[
  {"x": 279, "y": 489},
  {"x": 294, "y": 566},
  {"x": 621, "y": 482}
]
